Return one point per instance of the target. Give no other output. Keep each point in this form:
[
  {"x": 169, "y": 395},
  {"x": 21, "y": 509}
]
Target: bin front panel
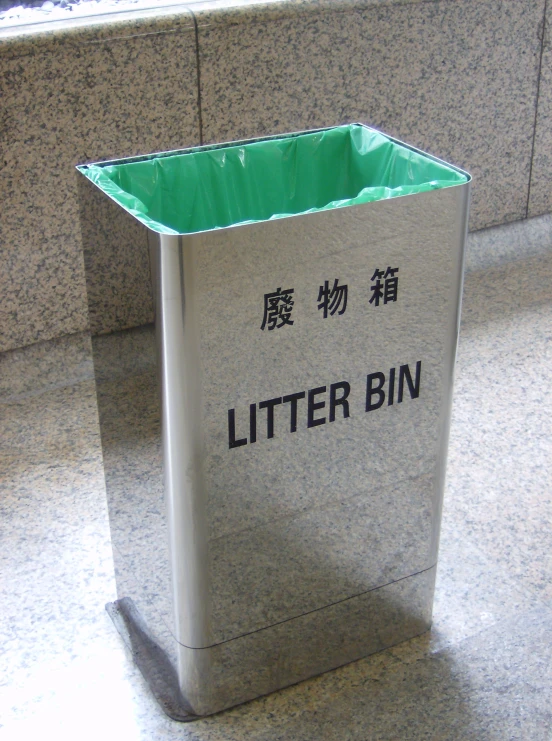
[{"x": 315, "y": 369}]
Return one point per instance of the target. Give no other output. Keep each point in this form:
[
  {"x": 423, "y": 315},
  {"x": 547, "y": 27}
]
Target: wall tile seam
[
  {"x": 542, "y": 35},
  {"x": 38, "y": 43},
  {"x": 111, "y": 39},
  {"x": 198, "y": 76}
]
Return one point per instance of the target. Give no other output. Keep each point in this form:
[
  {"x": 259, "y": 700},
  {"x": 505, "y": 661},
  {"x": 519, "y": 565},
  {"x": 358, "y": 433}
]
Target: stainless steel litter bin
[{"x": 274, "y": 325}]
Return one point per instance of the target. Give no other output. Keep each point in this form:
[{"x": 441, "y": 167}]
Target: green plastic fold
[{"x": 215, "y": 187}]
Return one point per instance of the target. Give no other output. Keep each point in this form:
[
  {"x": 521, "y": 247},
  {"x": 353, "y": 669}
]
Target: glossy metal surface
[
  {"x": 258, "y": 663},
  {"x": 261, "y": 554}
]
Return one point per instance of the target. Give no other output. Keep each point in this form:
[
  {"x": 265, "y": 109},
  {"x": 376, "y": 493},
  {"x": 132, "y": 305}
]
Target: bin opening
[{"x": 220, "y": 186}]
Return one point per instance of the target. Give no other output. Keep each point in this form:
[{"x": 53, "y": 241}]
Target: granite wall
[{"x": 468, "y": 80}]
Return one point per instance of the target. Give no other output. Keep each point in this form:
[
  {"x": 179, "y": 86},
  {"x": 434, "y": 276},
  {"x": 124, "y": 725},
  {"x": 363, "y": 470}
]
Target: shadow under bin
[{"x": 274, "y": 325}]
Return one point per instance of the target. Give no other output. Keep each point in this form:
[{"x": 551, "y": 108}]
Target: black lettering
[
  {"x": 341, "y": 401},
  {"x": 391, "y": 393},
  {"x": 414, "y": 388},
  {"x": 269, "y": 405},
  {"x": 252, "y": 423},
  {"x": 370, "y": 391},
  {"x": 293, "y": 399},
  {"x": 313, "y": 406},
  {"x": 232, "y": 442}
]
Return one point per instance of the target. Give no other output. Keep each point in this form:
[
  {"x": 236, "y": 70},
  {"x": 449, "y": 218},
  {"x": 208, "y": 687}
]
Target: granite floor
[{"x": 484, "y": 671}]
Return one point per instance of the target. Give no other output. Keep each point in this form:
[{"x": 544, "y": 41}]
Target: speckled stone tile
[
  {"x": 499, "y": 475},
  {"x": 33, "y": 369},
  {"x": 68, "y": 431},
  {"x": 457, "y": 79},
  {"x": 472, "y": 592},
  {"x": 540, "y": 194},
  {"x": 511, "y": 243},
  {"x": 55, "y": 557},
  {"x": 91, "y": 93}
]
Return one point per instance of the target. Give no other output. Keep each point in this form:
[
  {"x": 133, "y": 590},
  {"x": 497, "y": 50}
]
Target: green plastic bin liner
[{"x": 222, "y": 186}]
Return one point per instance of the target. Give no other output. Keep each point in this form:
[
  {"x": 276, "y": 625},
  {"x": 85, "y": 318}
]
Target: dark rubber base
[{"x": 150, "y": 658}]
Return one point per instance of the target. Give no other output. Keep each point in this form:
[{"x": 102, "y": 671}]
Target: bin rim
[{"x": 83, "y": 168}]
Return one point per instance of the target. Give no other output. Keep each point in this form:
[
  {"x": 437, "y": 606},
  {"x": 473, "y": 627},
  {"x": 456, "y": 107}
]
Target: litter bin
[{"x": 274, "y": 325}]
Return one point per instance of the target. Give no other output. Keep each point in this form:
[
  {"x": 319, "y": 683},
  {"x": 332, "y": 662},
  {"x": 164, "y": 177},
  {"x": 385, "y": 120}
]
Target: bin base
[
  {"x": 230, "y": 673},
  {"x": 149, "y": 657}
]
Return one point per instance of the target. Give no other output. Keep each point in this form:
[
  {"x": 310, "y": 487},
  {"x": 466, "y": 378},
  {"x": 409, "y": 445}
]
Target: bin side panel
[
  {"x": 116, "y": 260},
  {"x": 130, "y": 425},
  {"x": 120, "y": 295}
]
